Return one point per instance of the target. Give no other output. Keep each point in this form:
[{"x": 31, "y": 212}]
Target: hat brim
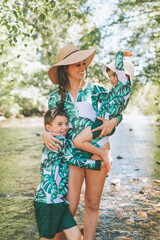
[
  {"x": 78, "y": 56},
  {"x": 128, "y": 68},
  {"x": 111, "y": 66}
]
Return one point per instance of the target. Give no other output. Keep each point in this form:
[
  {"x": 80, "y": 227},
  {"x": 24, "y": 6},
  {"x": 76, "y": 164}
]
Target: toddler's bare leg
[
  {"x": 82, "y": 141},
  {"x": 83, "y": 137}
]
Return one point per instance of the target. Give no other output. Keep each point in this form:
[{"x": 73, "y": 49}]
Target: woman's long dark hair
[{"x": 63, "y": 81}]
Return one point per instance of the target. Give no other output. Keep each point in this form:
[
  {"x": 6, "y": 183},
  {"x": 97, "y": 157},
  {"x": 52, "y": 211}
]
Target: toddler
[{"x": 120, "y": 74}]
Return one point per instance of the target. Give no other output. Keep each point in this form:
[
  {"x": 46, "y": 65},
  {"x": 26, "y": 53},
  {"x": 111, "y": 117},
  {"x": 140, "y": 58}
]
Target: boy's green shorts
[{"x": 53, "y": 218}]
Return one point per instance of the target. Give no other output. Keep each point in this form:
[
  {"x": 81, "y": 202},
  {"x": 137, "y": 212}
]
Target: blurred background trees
[{"x": 31, "y": 32}]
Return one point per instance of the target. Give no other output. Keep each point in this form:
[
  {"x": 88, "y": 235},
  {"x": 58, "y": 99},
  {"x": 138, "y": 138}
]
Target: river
[{"x": 130, "y": 202}]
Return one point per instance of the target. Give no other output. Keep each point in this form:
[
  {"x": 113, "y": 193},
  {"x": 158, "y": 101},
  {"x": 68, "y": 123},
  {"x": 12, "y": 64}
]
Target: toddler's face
[
  {"x": 113, "y": 78},
  {"x": 59, "y": 125}
]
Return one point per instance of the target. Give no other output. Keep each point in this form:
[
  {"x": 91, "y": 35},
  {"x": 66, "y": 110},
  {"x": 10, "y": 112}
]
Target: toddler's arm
[{"x": 122, "y": 78}]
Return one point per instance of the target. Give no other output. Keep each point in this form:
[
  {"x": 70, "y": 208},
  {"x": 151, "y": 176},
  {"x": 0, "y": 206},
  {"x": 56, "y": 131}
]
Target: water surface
[{"x": 130, "y": 202}]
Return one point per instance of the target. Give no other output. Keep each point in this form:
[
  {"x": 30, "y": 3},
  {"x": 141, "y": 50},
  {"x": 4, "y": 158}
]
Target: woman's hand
[
  {"x": 50, "y": 140},
  {"x": 127, "y": 54},
  {"x": 107, "y": 126}
]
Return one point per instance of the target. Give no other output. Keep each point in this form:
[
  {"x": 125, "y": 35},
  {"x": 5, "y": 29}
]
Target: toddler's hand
[{"x": 127, "y": 54}]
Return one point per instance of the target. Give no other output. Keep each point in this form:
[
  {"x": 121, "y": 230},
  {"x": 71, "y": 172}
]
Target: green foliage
[
  {"x": 141, "y": 20},
  {"x": 147, "y": 99},
  {"x": 31, "y": 32}
]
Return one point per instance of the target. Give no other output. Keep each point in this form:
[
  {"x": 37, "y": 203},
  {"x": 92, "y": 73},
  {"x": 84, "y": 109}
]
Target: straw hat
[
  {"x": 69, "y": 55},
  {"x": 127, "y": 65}
]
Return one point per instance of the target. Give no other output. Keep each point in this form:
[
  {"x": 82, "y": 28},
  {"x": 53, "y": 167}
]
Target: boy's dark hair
[{"x": 51, "y": 114}]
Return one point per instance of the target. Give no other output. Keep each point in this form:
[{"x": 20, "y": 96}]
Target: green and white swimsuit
[
  {"x": 114, "y": 102},
  {"x": 83, "y": 112},
  {"x": 54, "y": 171}
]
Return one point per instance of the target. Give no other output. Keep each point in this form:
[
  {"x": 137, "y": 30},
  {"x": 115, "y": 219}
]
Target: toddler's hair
[
  {"x": 51, "y": 114},
  {"x": 108, "y": 69}
]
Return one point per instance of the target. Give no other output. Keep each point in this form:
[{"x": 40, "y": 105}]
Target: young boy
[
  {"x": 51, "y": 207},
  {"x": 120, "y": 74}
]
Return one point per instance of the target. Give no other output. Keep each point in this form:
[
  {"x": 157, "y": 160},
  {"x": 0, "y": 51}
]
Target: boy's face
[
  {"x": 59, "y": 125},
  {"x": 113, "y": 78}
]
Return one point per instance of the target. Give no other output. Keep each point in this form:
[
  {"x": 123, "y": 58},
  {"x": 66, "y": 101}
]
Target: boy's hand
[{"x": 127, "y": 54}]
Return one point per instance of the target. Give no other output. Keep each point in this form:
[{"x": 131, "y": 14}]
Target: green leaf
[
  {"x": 53, "y": 4},
  {"x": 49, "y": 54},
  {"x": 41, "y": 17},
  {"x": 69, "y": 15},
  {"x": 35, "y": 9},
  {"x": 34, "y": 36},
  {"x": 14, "y": 28},
  {"x": 15, "y": 13},
  {"x": 15, "y": 39}
]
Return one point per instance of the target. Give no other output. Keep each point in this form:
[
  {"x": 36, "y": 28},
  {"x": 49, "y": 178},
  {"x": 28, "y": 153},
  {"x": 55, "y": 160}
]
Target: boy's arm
[{"x": 67, "y": 155}]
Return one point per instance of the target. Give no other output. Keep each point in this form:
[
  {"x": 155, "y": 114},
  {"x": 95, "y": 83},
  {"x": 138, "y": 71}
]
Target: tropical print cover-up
[
  {"x": 83, "y": 112},
  {"x": 54, "y": 171}
]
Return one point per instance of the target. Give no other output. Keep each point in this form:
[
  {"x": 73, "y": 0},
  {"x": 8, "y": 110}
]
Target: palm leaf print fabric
[
  {"x": 83, "y": 112},
  {"x": 54, "y": 171},
  {"x": 117, "y": 99}
]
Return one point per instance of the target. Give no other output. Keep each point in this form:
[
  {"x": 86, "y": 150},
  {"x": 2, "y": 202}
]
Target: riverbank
[{"x": 130, "y": 202}]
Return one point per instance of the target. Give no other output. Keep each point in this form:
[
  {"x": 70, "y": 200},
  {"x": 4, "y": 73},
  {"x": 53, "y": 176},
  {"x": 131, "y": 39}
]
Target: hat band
[{"x": 70, "y": 54}]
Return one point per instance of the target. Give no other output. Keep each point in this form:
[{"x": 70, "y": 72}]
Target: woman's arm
[
  {"x": 50, "y": 140},
  {"x": 107, "y": 126},
  {"x": 49, "y": 137}
]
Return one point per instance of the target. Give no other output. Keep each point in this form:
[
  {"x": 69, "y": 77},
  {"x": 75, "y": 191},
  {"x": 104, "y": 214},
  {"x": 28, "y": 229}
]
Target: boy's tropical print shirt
[
  {"x": 117, "y": 99},
  {"x": 54, "y": 171}
]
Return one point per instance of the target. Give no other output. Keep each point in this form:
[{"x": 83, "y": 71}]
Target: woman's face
[{"x": 76, "y": 71}]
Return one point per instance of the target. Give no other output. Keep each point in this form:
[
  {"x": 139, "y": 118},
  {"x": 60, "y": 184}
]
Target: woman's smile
[{"x": 76, "y": 71}]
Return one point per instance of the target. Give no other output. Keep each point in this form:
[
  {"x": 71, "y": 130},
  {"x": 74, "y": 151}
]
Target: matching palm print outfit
[{"x": 81, "y": 114}]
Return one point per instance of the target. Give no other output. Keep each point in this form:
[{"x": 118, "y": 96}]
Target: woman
[{"x": 81, "y": 105}]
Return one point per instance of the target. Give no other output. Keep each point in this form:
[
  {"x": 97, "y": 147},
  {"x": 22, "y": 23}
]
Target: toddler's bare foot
[{"x": 106, "y": 158}]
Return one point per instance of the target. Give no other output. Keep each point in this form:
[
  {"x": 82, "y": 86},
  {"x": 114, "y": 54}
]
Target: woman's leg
[
  {"x": 75, "y": 181},
  {"x": 94, "y": 186},
  {"x": 73, "y": 233},
  {"x": 94, "y": 181}
]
